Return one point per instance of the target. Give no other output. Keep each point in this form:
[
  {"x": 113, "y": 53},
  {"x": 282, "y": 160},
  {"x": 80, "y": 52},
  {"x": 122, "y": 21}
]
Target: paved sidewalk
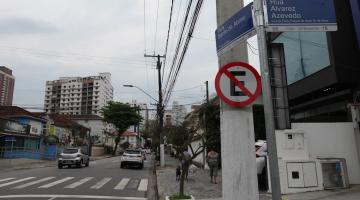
[
  {"x": 199, "y": 186},
  {"x": 24, "y": 163},
  {"x": 198, "y": 183}
]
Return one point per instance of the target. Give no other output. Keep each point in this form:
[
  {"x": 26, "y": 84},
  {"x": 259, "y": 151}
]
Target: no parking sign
[{"x": 238, "y": 84}]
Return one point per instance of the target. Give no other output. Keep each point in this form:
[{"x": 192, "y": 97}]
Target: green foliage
[
  {"x": 122, "y": 116},
  {"x": 179, "y": 137},
  {"x": 125, "y": 145},
  {"x": 210, "y": 122}
]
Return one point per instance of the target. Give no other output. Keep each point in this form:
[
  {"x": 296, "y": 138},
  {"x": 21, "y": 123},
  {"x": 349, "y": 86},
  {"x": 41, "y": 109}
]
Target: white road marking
[
  {"x": 6, "y": 179},
  {"x": 56, "y": 182},
  {"x": 101, "y": 183},
  {"x": 17, "y": 181},
  {"x": 52, "y": 198},
  {"x": 33, "y": 183},
  {"x": 82, "y": 181},
  {"x": 143, "y": 185},
  {"x": 122, "y": 184},
  {"x": 72, "y": 196}
]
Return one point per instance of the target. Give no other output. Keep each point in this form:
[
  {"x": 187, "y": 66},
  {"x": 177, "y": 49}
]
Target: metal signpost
[
  {"x": 239, "y": 27},
  {"x": 279, "y": 16},
  {"x": 271, "y": 16}
]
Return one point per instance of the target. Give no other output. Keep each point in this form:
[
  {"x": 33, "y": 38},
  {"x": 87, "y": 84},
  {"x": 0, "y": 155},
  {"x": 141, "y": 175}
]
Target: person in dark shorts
[{"x": 212, "y": 160}]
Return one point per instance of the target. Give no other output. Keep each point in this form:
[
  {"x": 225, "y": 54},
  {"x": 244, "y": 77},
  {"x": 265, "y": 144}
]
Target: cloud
[{"x": 25, "y": 26}]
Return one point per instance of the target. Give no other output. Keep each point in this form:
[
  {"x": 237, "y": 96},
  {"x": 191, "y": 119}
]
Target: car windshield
[
  {"x": 132, "y": 152},
  {"x": 70, "y": 151}
]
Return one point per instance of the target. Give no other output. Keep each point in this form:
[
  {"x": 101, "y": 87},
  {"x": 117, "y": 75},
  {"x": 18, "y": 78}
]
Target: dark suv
[{"x": 73, "y": 156}]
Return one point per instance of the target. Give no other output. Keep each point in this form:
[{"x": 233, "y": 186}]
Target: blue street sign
[
  {"x": 240, "y": 26},
  {"x": 300, "y": 15}
]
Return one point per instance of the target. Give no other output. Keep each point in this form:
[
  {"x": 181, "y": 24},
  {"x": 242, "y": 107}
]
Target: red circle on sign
[{"x": 252, "y": 96}]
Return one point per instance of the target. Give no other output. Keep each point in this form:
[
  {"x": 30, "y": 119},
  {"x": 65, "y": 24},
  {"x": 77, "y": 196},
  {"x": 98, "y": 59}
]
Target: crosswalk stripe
[
  {"x": 143, "y": 185},
  {"x": 101, "y": 183},
  {"x": 6, "y": 179},
  {"x": 122, "y": 184},
  {"x": 17, "y": 181},
  {"x": 33, "y": 183},
  {"x": 56, "y": 182},
  {"x": 78, "y": 183}
]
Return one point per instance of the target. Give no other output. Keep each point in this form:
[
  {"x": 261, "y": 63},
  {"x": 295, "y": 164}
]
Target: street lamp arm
[
  {"x": 147, "y": 94},
  {"x": 142, "y": 91}
]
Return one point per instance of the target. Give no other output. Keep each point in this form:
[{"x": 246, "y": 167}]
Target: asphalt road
[{"x": 103, "y": 179}]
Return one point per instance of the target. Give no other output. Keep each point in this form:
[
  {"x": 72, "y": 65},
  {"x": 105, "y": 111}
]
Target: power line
[
  {"x": 156, "y": 26},
  {"x": 67, "y": 55},
  {"x": 177, "y": 49},
  {"x": 192, "y": 24},
  {"x": 167, "y": 38},
  {"x": 191, "y": 88}
]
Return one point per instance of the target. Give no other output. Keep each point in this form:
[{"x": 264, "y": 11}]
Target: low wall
[{"x": 97, "y": 151}]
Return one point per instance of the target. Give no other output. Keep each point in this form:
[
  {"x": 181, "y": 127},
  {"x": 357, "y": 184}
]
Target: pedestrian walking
[{"x": 212, "y": 160}]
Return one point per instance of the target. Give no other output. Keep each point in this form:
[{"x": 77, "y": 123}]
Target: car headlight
[
  {"x": 77, "y": 158},
  {"x": 60, "y": 158}
]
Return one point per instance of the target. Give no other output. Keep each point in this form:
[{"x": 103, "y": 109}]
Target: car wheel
[
  {"x": 87, "y": 163},
  {"x": 60, "y": 166},
  {"x": 79, "y": 165},
  {"x": 121, "y": 166}
]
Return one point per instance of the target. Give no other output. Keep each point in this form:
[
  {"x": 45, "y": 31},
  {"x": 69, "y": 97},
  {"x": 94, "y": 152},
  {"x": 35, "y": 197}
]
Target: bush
[{"x": 108, "y": 149}]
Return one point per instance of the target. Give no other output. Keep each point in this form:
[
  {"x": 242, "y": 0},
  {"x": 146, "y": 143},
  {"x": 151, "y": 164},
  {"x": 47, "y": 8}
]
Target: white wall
[
  {"x": 97, "y": 127},
  {"x": 36, "y": 127},
  {"x": 333, "y": 140},
  {"x": 195, "y": 145}
]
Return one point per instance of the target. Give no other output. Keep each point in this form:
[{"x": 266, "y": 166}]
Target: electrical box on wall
[
  {"x": 301, "y": 174},
  {"x": 292, "y": 144}
]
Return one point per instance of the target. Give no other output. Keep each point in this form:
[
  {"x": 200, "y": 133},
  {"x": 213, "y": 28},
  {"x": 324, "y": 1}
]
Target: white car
[
  {"x": 73, "y": 156},
  {"x": 261, "y": 153},
  {"x": 132, "y": 157}
]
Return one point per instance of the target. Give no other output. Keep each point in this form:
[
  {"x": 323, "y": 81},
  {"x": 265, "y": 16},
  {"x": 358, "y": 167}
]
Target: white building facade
[
  {"x": 78, "y": 95},
  {"x": 178, "y": 113}
]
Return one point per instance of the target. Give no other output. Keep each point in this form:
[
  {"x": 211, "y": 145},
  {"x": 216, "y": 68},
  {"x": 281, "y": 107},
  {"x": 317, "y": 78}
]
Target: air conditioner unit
[{"x": 334, "y": 172}]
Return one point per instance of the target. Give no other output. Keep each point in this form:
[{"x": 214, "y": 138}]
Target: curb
[{"x": 100, "y": 158}]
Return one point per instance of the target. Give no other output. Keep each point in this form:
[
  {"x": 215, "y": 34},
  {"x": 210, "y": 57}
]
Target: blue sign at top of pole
[
  {"x": 300, "y": 15},
  {"x": 239, "y": 27}
]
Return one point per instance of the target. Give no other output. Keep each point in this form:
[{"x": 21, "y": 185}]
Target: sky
[{"x": 42, "y": 40}]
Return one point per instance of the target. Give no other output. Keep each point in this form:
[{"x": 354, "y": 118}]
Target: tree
[
  {"x": 204, "y": 125},
  {"x": 122, "y": 116}
]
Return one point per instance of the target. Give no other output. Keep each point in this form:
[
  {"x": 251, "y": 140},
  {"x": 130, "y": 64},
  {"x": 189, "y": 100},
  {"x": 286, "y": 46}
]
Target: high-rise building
[
  {"x": 178, "y": 113},
  {"x": 78, "y": 95},
  {"x": 7, "y": 83}
]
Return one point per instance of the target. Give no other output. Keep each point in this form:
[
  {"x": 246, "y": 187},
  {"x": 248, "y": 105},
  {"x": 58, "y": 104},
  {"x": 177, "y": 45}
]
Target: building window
[{"x": 305, "y": 53}]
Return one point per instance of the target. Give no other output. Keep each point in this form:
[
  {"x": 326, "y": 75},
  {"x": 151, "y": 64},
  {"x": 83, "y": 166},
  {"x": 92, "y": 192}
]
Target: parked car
[
  {"x": 132, "y": 157},
  {"x": 143, "y": 152},
  {"x": 73, "y": 156},
  {"x": 261, "y": 153}
]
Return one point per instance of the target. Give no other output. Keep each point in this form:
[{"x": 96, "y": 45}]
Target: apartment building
[
  {"x": 78, "y": 95},
  {"x": 7, "y": 83}
]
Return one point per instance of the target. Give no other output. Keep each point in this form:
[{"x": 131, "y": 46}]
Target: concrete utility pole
[
  {"x": 267, "y": 100},
  {"x": 239, "y": 177},
  {"x": 160, "y": 110}
]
